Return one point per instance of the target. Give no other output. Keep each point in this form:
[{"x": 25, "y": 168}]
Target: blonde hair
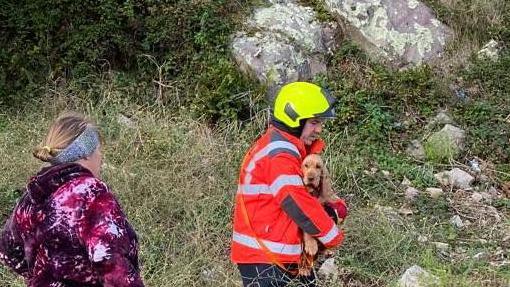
[{"x": 63, "y": 131}]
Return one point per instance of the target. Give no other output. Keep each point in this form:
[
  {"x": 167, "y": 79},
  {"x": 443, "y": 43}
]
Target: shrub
[
  {"x": 440, "y": 147},
  {"x": 172, "y": 45}
]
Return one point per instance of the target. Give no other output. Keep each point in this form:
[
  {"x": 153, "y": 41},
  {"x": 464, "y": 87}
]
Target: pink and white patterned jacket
[{"x": 68, "y": 230}]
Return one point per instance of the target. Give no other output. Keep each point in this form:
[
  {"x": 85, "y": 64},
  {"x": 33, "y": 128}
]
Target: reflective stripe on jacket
[{"x": 277, "y": 203}]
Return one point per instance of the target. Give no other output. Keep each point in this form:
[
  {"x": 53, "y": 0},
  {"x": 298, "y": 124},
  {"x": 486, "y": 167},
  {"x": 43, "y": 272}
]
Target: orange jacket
[{"x": 277, "y": 204}]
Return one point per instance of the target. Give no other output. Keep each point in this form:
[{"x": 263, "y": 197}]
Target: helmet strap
[{"x": 293, "y": 131}]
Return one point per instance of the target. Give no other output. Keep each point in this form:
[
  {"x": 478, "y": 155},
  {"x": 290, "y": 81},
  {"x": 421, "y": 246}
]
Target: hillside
[{"x": 178, "y": 115}]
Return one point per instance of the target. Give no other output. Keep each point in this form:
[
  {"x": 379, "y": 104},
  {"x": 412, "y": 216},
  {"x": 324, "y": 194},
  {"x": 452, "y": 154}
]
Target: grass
[
  {"x": 173, "y": 176},
  {"x": 474, "y": 23},
  {"x": 175, "y": 171}
]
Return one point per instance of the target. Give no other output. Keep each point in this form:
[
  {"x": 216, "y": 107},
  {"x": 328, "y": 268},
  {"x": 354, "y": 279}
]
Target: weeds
[{"x": 174, "y": 168}]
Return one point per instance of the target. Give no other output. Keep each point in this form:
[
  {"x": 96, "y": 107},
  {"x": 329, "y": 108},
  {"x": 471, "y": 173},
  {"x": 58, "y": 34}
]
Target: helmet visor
[{"x": 330, "y": 112}]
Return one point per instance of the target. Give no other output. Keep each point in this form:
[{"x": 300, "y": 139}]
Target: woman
[{"x": 68, "y": 228}]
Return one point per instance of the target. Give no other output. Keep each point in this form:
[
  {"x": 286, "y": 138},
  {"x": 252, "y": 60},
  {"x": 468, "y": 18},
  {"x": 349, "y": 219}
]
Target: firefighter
[{"x": 272, "y": 206}]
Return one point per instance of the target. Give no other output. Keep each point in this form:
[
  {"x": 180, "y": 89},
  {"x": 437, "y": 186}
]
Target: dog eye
[
  {"x": 307, "y": 165},
  {"x": 318, "y": 166}
]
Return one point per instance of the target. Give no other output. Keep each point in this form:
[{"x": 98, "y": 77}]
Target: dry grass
[
  {"x": 175, "y": 177},
  {"x": 473, "y": 22}
]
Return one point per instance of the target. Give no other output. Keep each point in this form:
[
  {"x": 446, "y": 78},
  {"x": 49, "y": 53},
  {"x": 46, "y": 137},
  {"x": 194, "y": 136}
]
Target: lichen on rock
[
  {"x": 287, "y": 43},
  {"x": 402, "y": 31}
]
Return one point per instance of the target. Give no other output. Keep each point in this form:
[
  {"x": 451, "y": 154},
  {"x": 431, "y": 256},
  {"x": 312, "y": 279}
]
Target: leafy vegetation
[
  {"x": 166, "y": 67},
  {"x": 167, "y": 46}
]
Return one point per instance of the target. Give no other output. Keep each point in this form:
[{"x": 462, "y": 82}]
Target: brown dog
[{"x": 318, "y": 182}]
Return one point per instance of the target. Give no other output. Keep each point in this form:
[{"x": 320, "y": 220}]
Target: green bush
[
  {"x": 485, "y": 116},
  {"x": 177, "y": 43},
  {"x": 440, "y": 148},
  {"x": 49, "y": 39}
]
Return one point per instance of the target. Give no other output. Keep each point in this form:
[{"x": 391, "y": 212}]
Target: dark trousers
[{"x": 268, "y": 275}]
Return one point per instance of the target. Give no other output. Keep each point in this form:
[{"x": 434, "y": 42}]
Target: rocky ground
[{"x": 285, "y": 41}]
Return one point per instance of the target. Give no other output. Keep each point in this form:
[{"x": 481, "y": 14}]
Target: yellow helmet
[{"x": 301, "y": 100}]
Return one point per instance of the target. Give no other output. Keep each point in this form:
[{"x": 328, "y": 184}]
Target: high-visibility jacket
[{"x": 277, "y": 204}]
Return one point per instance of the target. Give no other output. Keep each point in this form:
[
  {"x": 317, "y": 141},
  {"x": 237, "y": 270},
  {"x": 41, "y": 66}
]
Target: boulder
[
  {"x": 416, "y": 150},
  {"x": 455, "y": 178},
  {"x": 406, "y": 32},
  {"x": 272, "y": 61},
  {"x": 490, "y": 51},
  {"x": 416, "y": 276},
  {"x": 291, "y": 23},
  {"x": 446, "y": 143},
  {"x": 283, "y": 43},
  {"x": 434, "y": 193}
]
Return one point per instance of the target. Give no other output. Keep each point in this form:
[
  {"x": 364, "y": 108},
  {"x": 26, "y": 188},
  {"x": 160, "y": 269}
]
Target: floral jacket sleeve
[{"x": 11, "y": 244}]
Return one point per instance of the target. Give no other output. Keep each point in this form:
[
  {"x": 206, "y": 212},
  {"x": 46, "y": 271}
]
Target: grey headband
[{"x": 84, "y": 145}]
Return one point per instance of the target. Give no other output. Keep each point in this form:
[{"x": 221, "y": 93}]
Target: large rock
[
  {"x": 416, "y": 150},
  {"x": 283, "y": 43},
  {"x": 490, "y": 51},
  {"x": 272, "y": 61},
  {"x": 415, "y": 276},
  {"x": 446, "y": 143},
  {"x": 404, "y": 31},
  {"x": 455, "y": 178},
  {"x": 329, "y": 268},
  {"x": 291, "y": 23}
]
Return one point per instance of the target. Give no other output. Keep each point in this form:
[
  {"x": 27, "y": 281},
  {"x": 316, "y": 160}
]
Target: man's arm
[{"x": 286, "y": 179}]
